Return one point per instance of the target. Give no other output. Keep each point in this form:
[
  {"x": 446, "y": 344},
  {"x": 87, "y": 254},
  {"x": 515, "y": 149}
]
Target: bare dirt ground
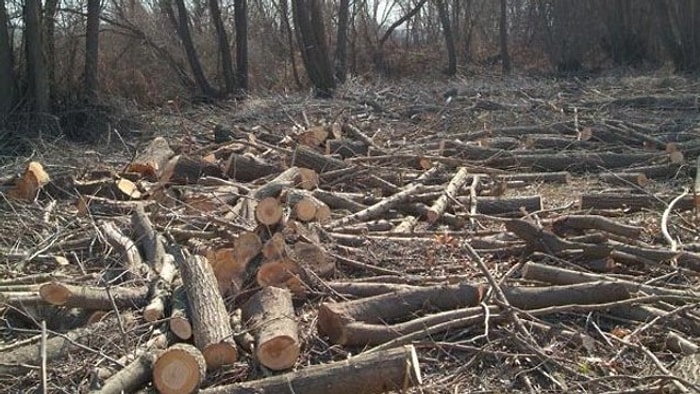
[{"x": 599, "y": 130}]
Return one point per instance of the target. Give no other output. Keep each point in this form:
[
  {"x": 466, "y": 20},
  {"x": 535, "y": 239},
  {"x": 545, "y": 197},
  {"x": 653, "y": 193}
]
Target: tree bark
[
  {"x": 49, "y": 25},
  {"x": 7, "y": 77},
  {"x": 503, "y": 32},
  {"x": 308, "y": 18},
  {"x": 92, "y": 33},
  {"x": 449, "y": 38},
  {"x": 240, "y": 14},
  {"x": 223, "y": 44},
  {"x": 342, "y": 44},
  {"x": 36, "y": 65}
]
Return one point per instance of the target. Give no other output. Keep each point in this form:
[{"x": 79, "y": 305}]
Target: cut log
[
  {"x": 151, "y": 162},
  {"x": 387, "y": 307},
  {"x": 575, "y": 161},
  {"x": 546, "y": 241},
  {"x": 534, "y": 177},
  {"x": 247, "y": 168},
  {"x": 379, "y": 208},
  {"x": 133, "y": 263},
  {"x": 269, "y": 314},
  {"x": 562, "y": 225},
  {"x": 56, "y": 293},
  {"x": 505, "y": 206},
  {"x": 346, "y": 148},
  {"x": 130, "y": 378},
  {"x": 440, "y": 205},
  {"x": 305, "y": 207},
  {"x": 631, "y": 202},
  {"x": 210, "y": 322},
  {"x": 179, "y": 321},
  {"x": 281, "y": 273},
  {"x": 306, "y": 157},
  {"x": 198, "y": 199},
  {"x": 230, "y": 265},
  {"x": 625, "y": 178},
  {"x": 182, "y": 170},
  {"x": 269, "y": 211},
  {"x": 179, "y": 370},
  {"x": 275, "y": 247},
  {"x": 314, "y": 136},
  {"x": 314, "y": 257},
  {"x": 368, "y": 373}
]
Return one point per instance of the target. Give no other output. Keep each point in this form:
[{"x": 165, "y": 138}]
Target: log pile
[{"x": 328, "y": 260}]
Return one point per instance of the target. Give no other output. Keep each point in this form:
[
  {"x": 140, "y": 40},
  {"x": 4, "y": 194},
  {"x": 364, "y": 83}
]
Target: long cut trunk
[
  {"x": 36, "y": 66},
  {"x": 223, "y": 44},
  {"x": 240, "y": 14},
  {"x": 92, "y": 41}
]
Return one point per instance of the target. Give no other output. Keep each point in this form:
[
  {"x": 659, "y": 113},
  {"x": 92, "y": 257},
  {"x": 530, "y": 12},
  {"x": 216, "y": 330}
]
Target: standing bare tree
[
  {"x": 182, "y": 25},
  {"x": 308, "y": 18},
  {"x": 223, "y": 44},
  {"x": 449, "y": 37},
  {"x": 341, "y": 50},
  {"x": 240, "y": 14},
  {"x": 49, "y": 22},
  {"x": 7, "y": 78},
  {"x": 37, "y": 74},
  {"x": 92, "y": 42},
  {"x": 503, "y": 30}
]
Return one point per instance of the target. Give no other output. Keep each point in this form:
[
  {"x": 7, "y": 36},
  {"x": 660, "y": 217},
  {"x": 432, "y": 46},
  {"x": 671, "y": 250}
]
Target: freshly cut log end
[
  {"x": 55, "y": 293},
  {"x": 219, "y": 354},
  {"x": 179, "y": 369},
  {"x": 279, "y": 353},
  {"x": 268, "y": 211},
  {"x": 181, "y": 327},
  {"x": 33, "y": 179}
]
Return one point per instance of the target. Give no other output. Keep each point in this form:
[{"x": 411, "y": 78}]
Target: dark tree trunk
[
  {"x": 92, "y": 41},
  {"x": 183, "y": 30},
  {"x": 7, "y": 77},
  {"x": 449, "y": 37},
  {"x": 50, "y": 10},
  {"x": 308, "y": 18},
  {"x": 341, "y": 53},
  {"x": 285, "y": 20},
  {"x": 503, "y": 28},
  {"x": 36, "y": 65},
  {"x": 223, "y": 43},
  {"x": 240, "y": 14}
]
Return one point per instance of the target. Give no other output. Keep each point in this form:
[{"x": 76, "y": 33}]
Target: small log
[
  {"x": 306, "y": 207},
  {"x": 589, "y": 293},
  {"x": 210, "y": 322},
  {"x": 247, "y": 168},
  {"x": 338, "y": 201},
  {"x": 346, "y": 148},
  {"x": 545, "y": 241},
  {"x": 562, "y": 276},
  {"x": 314, "y": 136},
  {"x": 506, "y": 206},
  {"x": 563, "y": 177},
  {"x": 282, "y": 273},
  {"x": 70, "y": 296},
  {"x": 379, "y": 208},
  {"x": 440, "y": 205},
  {"x": 179, "y": 321},
  {"x": 18, "y": 360},
  {"x": 130, "y": 378},
  {"x": 660, "y": 171},
  {"x": 151, "y": 162},
  {"x": 269, "y": 211},
  {"x": 563, "y": 224},
  {"x": 180, "y": 369},
  {"x": 624, "y": 178},
  {"x": 394, "y": 369},
  {"x": 332, "y": 317},
  {"x": 269, "y": 314},
  {"x": 182, "y": 170},
  {"x": 117, "y": 188},
  {"x": 275, "y": 247},
  {"x": 306, "y": 157},
  {"x": 558, "y": 142},
  {"x": 131, "y": 257},
  {"x": 630, "y": 202},
  {"x": 678, "y": 344},
  {"x": 314, "y": 257},
  {"x": 574, "y": 161},
  {"x": 362, "y": 290}
]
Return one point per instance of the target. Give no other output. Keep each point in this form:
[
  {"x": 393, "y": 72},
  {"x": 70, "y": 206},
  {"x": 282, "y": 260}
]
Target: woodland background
[{"x": 65, "y": 65}]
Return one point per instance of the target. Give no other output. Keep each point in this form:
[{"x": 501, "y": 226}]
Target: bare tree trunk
[
  {"x": 285, "y": 20},
  {"x": 503, "y": 28},
  {"x": 449, "y": 37},
  {"x": 7, "y": 78},
  {"x": 240, "y": 11},
  {"x": 183, "y": 30},
  {"x": 92, "y": 41},
  {"x": 308, "y": 17},
  {"x": 50, "y": 9},
  {"x": 341, "y": 52},
  {"x": 223, "y": 43},
  {"x": 36, "y": 67}
]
